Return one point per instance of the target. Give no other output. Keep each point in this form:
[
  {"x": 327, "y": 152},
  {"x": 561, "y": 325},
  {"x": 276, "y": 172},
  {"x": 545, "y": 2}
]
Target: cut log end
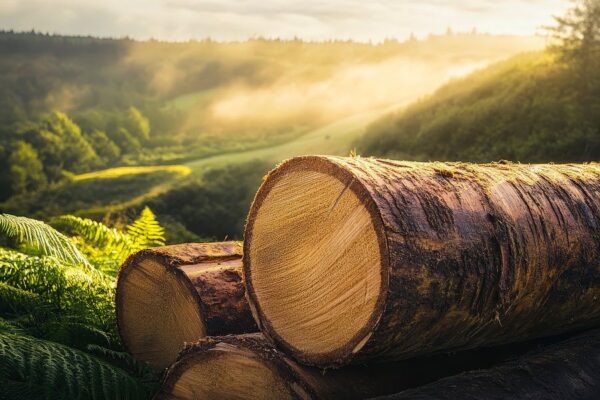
[
  {"x": 158, "y": 311},
  {"x": 315, "y": 262},
  {"x": 227, "y": 371}
]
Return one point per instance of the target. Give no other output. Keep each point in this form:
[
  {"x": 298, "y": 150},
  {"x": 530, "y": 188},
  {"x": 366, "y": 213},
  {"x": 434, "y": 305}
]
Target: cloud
[{"x": 240, "y": 19}]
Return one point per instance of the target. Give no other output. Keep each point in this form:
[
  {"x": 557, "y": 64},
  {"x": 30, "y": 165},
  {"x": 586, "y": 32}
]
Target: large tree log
[
  {"x": 569, "y": 370},
  {"x": 249, "y": 367},
  {"x": 350, "y": 259},
  {"x": 170, "y": 295}
]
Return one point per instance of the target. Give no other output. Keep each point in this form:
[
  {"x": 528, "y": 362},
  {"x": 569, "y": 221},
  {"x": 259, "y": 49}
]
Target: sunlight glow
[{"x": 309, "y": 19}]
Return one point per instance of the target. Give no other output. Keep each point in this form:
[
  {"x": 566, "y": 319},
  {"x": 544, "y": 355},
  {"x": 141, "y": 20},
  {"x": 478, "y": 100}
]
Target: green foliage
[
  {"x": 90, "y": 194},
  {"x": 525, "y": 109},
  {"x": 146, "y": 231},
  {"x": 124, "y": 360},
  {"x": 58, "y": 336},
  {"x": 41, "y": 237},
  {"x": 15, "y": 302},
  {"x": 111, "y": 243},
  {"x": 137, "y": 124},
  {"x": 26, "y": 172},
  {"x": 537, "y": 107},
  {"x": 217, "y": 205},
  {"x": 71, "y": 292},
  {"x": 39, "y": 369},
  {"x": 126, "y": 140},
  {"x": 132, "y": 102},
  {"x": 577, "y": 33},
  {"x": 106, "y": 247},
  {"x": 106, "y": 148}
]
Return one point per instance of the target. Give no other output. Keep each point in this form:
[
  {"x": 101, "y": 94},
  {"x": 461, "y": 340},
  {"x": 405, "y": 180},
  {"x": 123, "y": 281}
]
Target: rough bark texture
[
  {"x": 220, "y": 292},
  {"x": 569, "y": 370},
  {"x": 474, "y": 255},
  {"x": 350, "y": 382}
]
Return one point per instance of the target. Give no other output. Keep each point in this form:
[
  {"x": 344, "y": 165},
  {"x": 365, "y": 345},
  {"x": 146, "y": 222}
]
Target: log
[
  {"x": 352, "y": 259},
  {"x": 565, "y": 371},
  {"x": 170, "y": 295},
  {"x": 249, "y": 367}
]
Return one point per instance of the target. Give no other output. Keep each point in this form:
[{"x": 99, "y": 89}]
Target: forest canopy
[{"x": 537, "y": 107}]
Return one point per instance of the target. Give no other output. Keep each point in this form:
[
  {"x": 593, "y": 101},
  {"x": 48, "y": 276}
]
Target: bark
[
  {"x": 212, "y": 273},
  {"x": 472, "y": 255},
  {"x": 564, "y": 371},
  {"x": 350, "y": 382}
]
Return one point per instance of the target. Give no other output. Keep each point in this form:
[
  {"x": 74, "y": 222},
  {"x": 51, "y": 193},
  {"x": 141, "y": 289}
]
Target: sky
[{"x": 360, "y": 20}]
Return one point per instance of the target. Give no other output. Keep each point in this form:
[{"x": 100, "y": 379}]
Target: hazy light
[{"x": 308, "y": 19}]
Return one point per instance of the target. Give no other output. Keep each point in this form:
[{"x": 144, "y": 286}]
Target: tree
[
  {"x": 577, "y": 33},
  {"x": 50, "y": 149},
  {"x": 577, "y": 41},
  {"x": 104, "y": 147},
  {"x": 126, "y": 141},
  {"x": 78, "y": 155},
  {"x": 26, "y": 172},
  {"x": 137, "y": 124}
]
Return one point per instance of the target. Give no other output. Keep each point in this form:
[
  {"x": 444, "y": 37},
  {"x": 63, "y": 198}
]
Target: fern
[
  {"x": 62, "y": 294},
  {"x": 42, "y": 238},
  {"x": 69, "y": 290},
  {"x": 107, "y": 248},
  {"x": 146, "y": 231},
  {"x": 9, "y": 326},
  {"x": 109, "y": 241},
  {"x": 125, "y": 361},
  {"x": 37, "y": 369},
  {"x": 15, "y": 301}
]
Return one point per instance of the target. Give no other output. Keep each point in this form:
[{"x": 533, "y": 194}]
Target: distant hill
[
  {"x": 70, "y": 105},
  {"x": 526, "y": 109},
  {"x": 40, "y": 73}
]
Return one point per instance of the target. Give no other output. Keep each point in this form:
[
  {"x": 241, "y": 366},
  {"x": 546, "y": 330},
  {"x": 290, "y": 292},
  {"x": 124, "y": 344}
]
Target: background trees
[
  {"x": 576, "y": 38},
  {"x": 536, "y": 107}
]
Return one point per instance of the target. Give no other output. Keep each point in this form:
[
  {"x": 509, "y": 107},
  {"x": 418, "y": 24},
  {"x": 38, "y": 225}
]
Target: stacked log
[
  {"x": 366, "y": 276},
  {"x": 351, "y": 259},
  {"x": 248, "y": 366},
  {"x": 167, "y": 296}
]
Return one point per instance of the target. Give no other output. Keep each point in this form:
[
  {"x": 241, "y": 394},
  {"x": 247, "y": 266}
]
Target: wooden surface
[
  {"x": 170, "y": 295},
  {"x": 469, "y": 255},
  {"x": 249, "y": 367}
]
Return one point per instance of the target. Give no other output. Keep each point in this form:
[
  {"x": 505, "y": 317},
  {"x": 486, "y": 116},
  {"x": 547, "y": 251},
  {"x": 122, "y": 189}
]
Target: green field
[
  {"x": 112, "y": 173},
  {"x": 333, "y": 139}
]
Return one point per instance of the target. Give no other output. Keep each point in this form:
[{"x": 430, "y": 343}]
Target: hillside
[
  {"x": 70, "y": 105},
  {"x": 77, "y": 113},
  {"x": 528, "y": 109}
]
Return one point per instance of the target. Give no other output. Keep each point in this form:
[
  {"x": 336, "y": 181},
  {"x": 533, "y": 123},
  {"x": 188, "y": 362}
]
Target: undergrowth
[{"x": 58, "y": 335}]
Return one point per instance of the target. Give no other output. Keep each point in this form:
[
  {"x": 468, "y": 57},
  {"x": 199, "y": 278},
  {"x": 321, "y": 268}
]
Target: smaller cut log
[
  {"x": 167, "y": 296},
  {"x": 249, "y": 367},
  {"x": 568, "y": 370}
]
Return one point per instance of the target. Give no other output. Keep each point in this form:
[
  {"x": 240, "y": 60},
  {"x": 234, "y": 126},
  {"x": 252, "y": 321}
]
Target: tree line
[
  {"x": 537, "y": 107},
  {"x": 37, "y": 153}
]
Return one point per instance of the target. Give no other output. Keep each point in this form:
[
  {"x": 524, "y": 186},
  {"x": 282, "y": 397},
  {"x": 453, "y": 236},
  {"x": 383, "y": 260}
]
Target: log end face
[
  {"x": 228, "y": 372},
  {"x": 157, "y": 310},
  {"x": 315, "y": 261}
]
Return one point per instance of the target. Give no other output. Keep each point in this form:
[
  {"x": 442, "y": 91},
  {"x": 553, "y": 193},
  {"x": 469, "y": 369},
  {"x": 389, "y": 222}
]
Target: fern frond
[
  {"x": 69, "y": 290},
  {"x": 95, "y": 233},
  {"x": 126, "y": 361},
  {"x": 15, "y": 301},
  {"x": 41, "y": 237},
  {"x": 9, "y": 326},
  {"x": 72, "y": 332},
  {"x": 38, "y": 369},
  {"x": 146, "y": 231}
]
